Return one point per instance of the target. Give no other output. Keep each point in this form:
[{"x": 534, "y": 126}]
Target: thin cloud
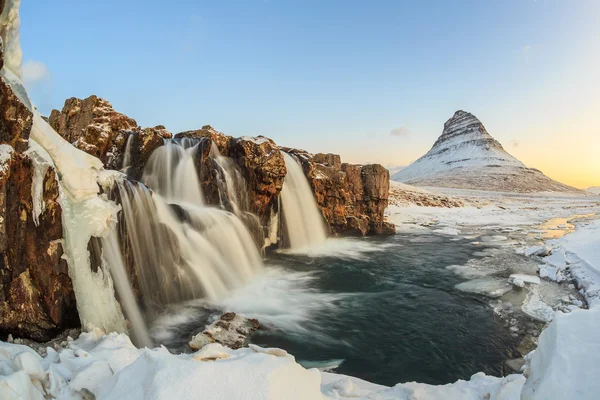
[
  {"x": 399, "y": 132},
  {"x": 35, "y": 72}
]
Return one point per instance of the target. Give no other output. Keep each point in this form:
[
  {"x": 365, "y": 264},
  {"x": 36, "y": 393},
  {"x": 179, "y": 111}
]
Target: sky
[{"x": 373, "y": 81}]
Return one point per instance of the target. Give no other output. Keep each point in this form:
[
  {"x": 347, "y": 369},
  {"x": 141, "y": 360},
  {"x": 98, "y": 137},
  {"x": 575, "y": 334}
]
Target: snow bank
[
  {"x": 110, "y": 367},
  {"x": 566, "y": 363},
  {"x": 578, "y": 255}
]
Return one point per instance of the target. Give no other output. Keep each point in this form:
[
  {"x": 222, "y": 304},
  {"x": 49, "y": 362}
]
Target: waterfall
[
  {"x": 182, "y": 248},
  {"x": 113, "y": 260},
  {"x": 171, "y": 172},
  {"x": 301, "y": 214},
  {"x": 233, "y": 192}
]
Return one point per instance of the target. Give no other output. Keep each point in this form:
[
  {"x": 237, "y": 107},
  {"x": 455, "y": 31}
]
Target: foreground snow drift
[{"x": 565, "y": 366}]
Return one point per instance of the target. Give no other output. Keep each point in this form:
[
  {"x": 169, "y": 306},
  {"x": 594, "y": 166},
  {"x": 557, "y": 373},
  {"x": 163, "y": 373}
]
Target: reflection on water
[{"x": 555, "y": 228}]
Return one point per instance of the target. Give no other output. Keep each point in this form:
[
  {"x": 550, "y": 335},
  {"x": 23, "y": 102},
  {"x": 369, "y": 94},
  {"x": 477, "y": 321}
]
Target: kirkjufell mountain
[{"x": 466, "y": 156}]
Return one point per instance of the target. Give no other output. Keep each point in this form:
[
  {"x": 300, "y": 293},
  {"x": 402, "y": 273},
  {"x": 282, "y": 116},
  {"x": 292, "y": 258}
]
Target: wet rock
[
  {"x": 230, "y": 330},
  {"x": 352, "y": 198},
  {"x": 36, "y": 295},
  {"x": 263, "y": 168},
  {"x": 16, "y": 119}
]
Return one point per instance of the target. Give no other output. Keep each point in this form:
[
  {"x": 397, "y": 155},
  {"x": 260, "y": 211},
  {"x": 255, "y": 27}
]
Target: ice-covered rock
[{"x": 231, "y": 330}]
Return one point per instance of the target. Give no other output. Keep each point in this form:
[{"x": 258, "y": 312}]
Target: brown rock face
[
  {"x": 92, "y": 125},
  {"x": 263, "y": 168},
  {"x": 352, "y": 198},
  {"x": 36, "y": 296},
  {"x": 260, "y": 164},
  {"x": 15, "y": 119}
]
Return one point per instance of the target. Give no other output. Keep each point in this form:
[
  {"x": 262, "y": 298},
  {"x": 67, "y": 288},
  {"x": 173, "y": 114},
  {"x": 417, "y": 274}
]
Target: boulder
[{"x": 230, "y": 330}]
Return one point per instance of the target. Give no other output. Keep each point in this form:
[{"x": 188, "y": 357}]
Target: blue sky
[{"x": 371, "y": 80}]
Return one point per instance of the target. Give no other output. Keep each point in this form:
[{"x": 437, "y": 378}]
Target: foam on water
[{"x": 344, "y": 248}]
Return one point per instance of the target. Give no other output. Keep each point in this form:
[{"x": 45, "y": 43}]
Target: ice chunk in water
[{"x": 487, "y": 286}]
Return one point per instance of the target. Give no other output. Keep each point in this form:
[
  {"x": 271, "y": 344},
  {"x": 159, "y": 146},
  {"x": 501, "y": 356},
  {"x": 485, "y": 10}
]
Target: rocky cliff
[
  {"x": 466, "y": 156},
  {"x": 36, "y": 296},
  {"x": 352, "y": 198},
  {"x": 92, "y": 125}
]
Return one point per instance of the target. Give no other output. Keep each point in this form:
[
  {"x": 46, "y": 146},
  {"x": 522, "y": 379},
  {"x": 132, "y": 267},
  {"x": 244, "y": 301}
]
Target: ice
[
  {"x": 536, "y": 308},
  {"x": 79, "y": 169},
  {"x": 41, "y": 162},
  {"x": 521, "y": 279},
  {"x": 447, "y": 231},
  {"x": 565, "y": 364},
  {"x": 488, "y": 286}
]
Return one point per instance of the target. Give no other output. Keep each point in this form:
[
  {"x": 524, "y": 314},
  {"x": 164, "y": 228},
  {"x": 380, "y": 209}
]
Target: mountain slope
[{"x": 466, "y": 156}]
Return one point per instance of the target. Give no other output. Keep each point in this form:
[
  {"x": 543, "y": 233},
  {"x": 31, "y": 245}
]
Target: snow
[
  {"x": 110, "y": 367},
  {"x": 522, "y": 279},
  {"x": 459, "y": 146},
  {"x": 565, "y": 364},
  {"x": 256, "y": 139},
  {"x": 536, "y": 308},
  {"x": 594, "y": 190},
  {"x": 84, "y": 213}
]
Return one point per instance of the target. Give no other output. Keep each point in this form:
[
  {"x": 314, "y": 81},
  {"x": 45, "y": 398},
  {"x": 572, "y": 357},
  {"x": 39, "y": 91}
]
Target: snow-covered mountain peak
[{"x": 467, "y": 156}]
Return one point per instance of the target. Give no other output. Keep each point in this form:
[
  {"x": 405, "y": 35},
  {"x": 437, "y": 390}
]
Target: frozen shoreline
[{"x": 109, "y": 366}]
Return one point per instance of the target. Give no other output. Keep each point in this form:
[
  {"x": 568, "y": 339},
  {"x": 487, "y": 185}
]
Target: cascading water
[
  {"x": 303, "y": 221},
  {"x": 182, "y": 249},
  {"x": 171, "y": 172},
  {"x": 233, "y": 192}
]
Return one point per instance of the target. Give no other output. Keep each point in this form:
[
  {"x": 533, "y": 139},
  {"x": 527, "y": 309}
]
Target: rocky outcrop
[
  {"x": 352, "y": 198},
  {"x": 231, "y": 330},
  {"x": 259, "y": 161},
  {"x": 92, "y": 125},
  {"x": 16, "y": 119},
  {"x": 466, "y": 156},
  {"x": 36, "y": 296}
]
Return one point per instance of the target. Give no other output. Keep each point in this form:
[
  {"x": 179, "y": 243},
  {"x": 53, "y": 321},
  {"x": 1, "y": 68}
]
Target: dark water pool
[{"x": 387, "y": 307}]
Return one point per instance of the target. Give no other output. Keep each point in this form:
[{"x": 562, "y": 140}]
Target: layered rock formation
[
  {"x": 36, "y": 295},
  {"x": 92, "y": 125},
  {"x": 257, "y": 159},
  {"x": 467, "y": 156},
  {"x": 352, "y": 198}
]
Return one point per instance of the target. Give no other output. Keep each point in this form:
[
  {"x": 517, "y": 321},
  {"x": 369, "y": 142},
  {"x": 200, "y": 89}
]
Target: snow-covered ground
[{"x": 565, "y": 365}]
